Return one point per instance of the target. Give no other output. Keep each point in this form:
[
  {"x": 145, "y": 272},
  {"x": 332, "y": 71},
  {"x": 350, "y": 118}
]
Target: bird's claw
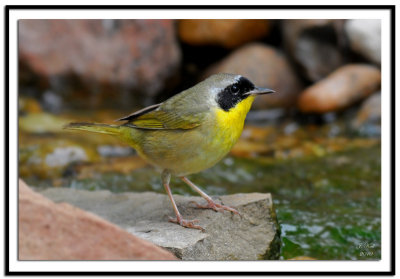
[
  {"x": 186, "y": 223},
  {"x": 216, "y": 207}
]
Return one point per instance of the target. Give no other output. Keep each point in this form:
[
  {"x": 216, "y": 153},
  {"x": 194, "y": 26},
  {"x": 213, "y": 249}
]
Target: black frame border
[{"x": 391, "y": 8}]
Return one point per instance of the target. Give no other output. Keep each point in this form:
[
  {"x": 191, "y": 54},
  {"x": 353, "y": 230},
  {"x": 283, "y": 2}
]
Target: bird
[{"x": 188, "y": 133}]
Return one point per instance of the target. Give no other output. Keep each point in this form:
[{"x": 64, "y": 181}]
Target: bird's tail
[
  {"x": 127, "y": 134},
  {"x": 95, "y": 127}
]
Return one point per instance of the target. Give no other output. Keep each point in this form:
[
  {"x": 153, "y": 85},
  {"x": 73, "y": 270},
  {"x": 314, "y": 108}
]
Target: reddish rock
[
  {"x": 228, "y": 33},
  {"x": 266, "y": 67},
  {"x": 103, "y": 58},
  {"x": 344, "y": 87},
  {"x": 49, "y": 231},
  {"x": 315, "y": 44}
]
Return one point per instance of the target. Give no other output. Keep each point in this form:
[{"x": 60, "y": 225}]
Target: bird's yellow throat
[{"x": 232, "y": 121}]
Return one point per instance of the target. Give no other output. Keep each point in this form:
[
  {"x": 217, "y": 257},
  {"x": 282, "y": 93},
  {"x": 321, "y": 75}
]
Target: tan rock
[
  {"x": 228, "y": 33},
  {"x": 49, "y": 231},
  {"x": 344, "y": 87},
  {"x": 266, "y": 67}
]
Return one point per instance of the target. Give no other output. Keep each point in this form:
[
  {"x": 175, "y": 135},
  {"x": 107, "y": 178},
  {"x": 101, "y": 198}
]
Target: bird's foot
[
  {"x": 216, "y": 207},
  {"x": 186, "y": 223}
]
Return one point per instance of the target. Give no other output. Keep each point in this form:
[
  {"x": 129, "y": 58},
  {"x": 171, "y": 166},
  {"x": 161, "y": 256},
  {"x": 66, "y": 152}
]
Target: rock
[
  {"x": 49, "y": 231},
  {"x": 266, "y": 67},
  {"x": 99, "y": 62},
  {"x": 370, "y": 110},
  {"x": 227, "y": 237},
  {"x": 42, "y": 122},
  {"x": 315, "y": 44},
  {"x": 368, "y": 119},
  {"x": 365, "y": 37},
  {"x": 50, "y": 158},
  {"x": 344, "y": 87},
  {"x": 62, "y": 156},
  {"x": 228, "y": 33}
]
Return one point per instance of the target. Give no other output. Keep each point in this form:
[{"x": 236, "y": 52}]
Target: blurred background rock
[
  {"x": 315, "y": 144},
  {"x": 127, "y": 64},
  {"x": 95, "y": 63}
]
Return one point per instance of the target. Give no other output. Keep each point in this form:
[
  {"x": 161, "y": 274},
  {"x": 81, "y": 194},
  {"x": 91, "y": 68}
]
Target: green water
[{"x": 327, "y": 207}]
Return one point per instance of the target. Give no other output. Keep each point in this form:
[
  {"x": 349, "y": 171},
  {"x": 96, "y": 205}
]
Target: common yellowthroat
[{"x": 189, "y": 132}]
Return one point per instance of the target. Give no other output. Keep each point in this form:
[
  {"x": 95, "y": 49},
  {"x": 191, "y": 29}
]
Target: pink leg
[
  {"x": 210, "y": 203},
  {"x": 178, "y": 220}
]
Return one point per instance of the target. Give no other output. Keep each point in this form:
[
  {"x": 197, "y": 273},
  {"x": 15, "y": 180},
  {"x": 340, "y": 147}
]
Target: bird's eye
[{"x": 234, "y": 89}]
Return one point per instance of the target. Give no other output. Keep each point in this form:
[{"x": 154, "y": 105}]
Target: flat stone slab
[{"x": 252, "y": 236}]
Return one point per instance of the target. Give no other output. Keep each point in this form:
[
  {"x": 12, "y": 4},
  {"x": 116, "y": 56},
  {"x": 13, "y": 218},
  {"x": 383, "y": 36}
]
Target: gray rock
[
  {"x": 365, "y": 37},
  {"x": 62, "y": 156},
  {"x": 368, "y": 119},
  {"x": 315, "y": 45},
  {"x": 251, "y": 236}
]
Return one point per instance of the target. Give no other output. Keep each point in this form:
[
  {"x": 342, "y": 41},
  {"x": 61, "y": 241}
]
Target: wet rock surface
[
  {"x": 344, "y": 87},
  {"x": 266, "y": 67},
  {"x": 49, "y": 231},
  {"x": 227, "y": 33},
  {"x": 251, "y": 236}
]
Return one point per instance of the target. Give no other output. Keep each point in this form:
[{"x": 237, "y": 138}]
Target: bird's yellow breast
[{"x": 230, "y": 123}]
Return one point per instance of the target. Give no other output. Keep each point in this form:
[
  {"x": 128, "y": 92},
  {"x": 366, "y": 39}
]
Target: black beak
[{"x": 260, "y": 91}]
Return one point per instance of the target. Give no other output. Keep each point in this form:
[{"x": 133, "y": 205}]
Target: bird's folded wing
[
  {"x": 162, "y": 118},
  {"x": 139, "y": 113},
  {"x": 167, "y": 120}
]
